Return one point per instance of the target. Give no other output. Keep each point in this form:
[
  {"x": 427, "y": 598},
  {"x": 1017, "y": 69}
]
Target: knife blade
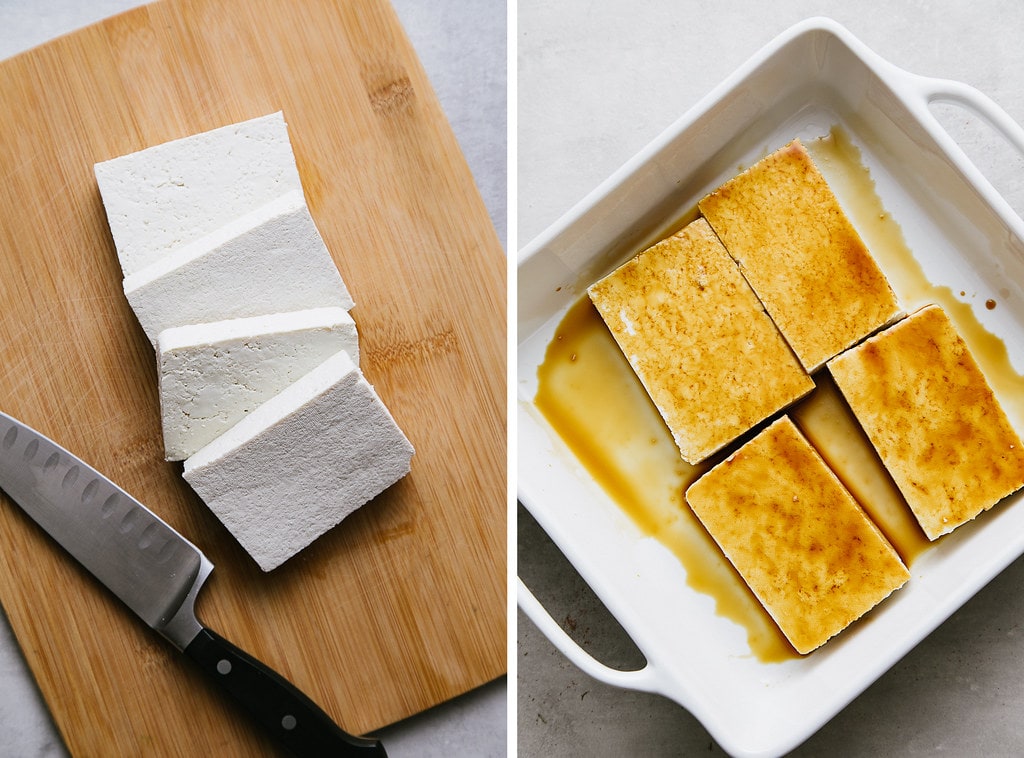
[{"x": 157, "y": 573}]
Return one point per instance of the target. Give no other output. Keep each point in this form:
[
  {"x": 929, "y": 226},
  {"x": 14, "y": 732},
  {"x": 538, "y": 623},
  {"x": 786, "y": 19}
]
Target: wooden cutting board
[{"x": 403, "y": 605}]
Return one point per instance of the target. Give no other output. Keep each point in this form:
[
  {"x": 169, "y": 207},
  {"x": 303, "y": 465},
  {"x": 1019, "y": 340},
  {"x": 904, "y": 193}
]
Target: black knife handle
[{"x": 295, "y": 720}]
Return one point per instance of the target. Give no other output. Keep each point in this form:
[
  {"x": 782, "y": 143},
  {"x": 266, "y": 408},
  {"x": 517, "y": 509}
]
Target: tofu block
[
  {"x": 171, "y": 194},
  {"x": 702, "y": 345},
  {"x": 271, "y": 260},
  {"x": 797, "y": 537},
  {"x": 781, "y": 222},
  {"x": 928, "y": 410},
  {"x": 301, "y": 462},
  {"x": 212, "y": 375}
]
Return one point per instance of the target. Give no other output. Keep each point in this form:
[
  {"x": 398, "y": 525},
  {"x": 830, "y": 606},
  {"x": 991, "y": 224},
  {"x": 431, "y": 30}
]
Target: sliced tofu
[
  {"x": 212, "y": 375},
  {"x": 171, "y": 194},
  {"x": 271, "y": 260},
  {"x": 936, "y": 424},
  {"x": 796, "y": 536},
  {"x": 702, "y": 345},
  {"x": 301, "y": 462},
  {"x": 781, "y": 222}
]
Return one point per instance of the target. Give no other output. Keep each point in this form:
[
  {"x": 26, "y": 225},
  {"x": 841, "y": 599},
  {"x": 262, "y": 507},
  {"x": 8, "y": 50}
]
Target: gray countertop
[
  {"x": 462, "y": 45},
  {"x": 596, "y": 82}
]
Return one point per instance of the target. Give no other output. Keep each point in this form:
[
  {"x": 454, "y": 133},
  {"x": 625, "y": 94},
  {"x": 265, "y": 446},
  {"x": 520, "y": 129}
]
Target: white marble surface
[
  {"x": 462, "y": 44},
  {"x": 596, "y": 82}
]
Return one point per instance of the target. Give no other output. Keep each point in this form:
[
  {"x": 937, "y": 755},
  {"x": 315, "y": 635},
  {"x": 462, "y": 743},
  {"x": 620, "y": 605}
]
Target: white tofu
[
  {"x": 271, "y": 260},
  {"x": 301, "y": 462},
  {"x": 212, "y": 375},
  {"x": 168, "y": 195}
]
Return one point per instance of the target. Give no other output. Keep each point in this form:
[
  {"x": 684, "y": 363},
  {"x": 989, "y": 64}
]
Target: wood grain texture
[{"x": 403, "y": 605}]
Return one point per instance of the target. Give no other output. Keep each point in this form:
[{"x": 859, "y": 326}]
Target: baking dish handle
[
  {"x": 926, "y": 90},
  {"x": 644, "y": 679},
  {"x": 946, "y": 90}
]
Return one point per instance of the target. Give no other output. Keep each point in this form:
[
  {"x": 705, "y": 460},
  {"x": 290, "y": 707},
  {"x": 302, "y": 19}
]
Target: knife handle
[{"x": 295, "y": 720}]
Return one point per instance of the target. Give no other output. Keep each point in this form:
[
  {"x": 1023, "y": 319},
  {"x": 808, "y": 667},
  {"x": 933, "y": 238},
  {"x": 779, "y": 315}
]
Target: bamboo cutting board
[{"x": 403, "y": 605}]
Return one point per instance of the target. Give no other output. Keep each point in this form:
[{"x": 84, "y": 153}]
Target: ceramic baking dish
[{"x": 964, "y": 235}]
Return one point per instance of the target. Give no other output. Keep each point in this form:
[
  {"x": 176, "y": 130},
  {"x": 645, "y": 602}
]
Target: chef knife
[{"x": 158, "y": 574}]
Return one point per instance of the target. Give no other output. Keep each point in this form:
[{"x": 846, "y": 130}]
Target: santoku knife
[{"x": 157, "y": 573}]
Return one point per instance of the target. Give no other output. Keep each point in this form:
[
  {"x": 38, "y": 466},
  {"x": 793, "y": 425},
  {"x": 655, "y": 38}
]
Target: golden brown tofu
[
  {"x": 695, "y": 334},
  {"x": 935, "y": 422},
  {"x": 781, "y": 222},
  {"x": 797, "y": 537}
]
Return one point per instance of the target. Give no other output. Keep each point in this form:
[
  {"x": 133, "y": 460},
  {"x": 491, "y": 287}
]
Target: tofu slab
[
  {"x": 271, "y": 260},
  {"x": 168, "y": 195},
  {"x": 936, "y": 424},
  {"x": 797, "y": 537},
  {"x": 212, "y": 375},
  {"x": 702, "y": 345},
  {"x": 781, "y": 222},
  {"x": 301, "y": 462}
]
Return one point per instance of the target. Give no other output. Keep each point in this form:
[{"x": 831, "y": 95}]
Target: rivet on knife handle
[{"x": 157, "y": 573}]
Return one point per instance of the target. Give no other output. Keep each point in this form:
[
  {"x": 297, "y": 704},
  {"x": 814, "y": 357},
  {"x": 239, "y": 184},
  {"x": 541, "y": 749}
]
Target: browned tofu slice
[
  {"x": 699, "y": 340},
  {"x": 935, "y": 422},
  {"x": 781, "y": 222},
  {"x": 797, "y": 537}
]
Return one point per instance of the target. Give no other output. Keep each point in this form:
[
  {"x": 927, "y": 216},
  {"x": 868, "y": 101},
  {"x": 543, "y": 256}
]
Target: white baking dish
[{"x": 963, "y": 233}]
